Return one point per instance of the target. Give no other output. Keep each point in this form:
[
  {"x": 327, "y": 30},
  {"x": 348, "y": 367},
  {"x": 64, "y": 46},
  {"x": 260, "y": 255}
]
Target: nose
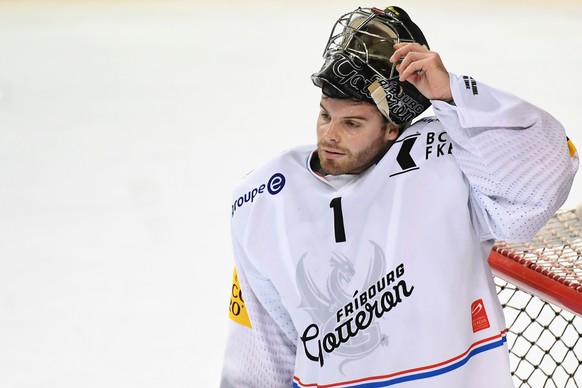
[{"x": 331, "y": 132}]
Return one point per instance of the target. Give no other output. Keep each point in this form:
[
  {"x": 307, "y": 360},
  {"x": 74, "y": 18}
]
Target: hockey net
[{"x": 539, "y": 284}]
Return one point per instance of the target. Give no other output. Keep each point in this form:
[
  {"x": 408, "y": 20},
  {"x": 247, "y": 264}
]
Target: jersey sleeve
[
  {"x": 258, "y": 352},
  {"x": 515, "y": 156}
]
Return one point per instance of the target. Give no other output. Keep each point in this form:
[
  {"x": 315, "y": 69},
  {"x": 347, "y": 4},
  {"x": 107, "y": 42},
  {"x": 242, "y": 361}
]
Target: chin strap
[{"x": 379, "y": 96}]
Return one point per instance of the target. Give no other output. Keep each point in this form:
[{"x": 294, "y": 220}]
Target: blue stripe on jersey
[{"x": 500, "y": 341}]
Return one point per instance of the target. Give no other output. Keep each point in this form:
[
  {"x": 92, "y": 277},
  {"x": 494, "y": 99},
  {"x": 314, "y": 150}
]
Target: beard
[{"x": 351, "y": 162}]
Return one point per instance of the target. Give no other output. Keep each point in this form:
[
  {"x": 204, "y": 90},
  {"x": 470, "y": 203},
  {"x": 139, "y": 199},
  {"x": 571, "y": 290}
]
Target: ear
[{"x": 392, "y": 132}]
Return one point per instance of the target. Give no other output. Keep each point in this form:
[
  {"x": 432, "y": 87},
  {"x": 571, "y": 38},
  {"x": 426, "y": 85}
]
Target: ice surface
[{"x": 124, "y": 127}]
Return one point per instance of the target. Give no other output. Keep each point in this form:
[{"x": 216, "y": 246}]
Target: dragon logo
[{"x": 344, "y": 321}]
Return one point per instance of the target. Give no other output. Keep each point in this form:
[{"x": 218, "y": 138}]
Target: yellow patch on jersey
[
  {"x": 571, "y": 147},
  {"x": 237, "y": 310}
]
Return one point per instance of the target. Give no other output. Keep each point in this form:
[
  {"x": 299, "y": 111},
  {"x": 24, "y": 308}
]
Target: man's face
[{"x": 351, "y": 136}]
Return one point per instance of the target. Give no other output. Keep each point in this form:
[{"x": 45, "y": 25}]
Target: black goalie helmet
[{"x": 357, "y": 62}]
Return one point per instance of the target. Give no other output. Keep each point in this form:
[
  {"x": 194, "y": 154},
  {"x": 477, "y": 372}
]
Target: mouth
[{"x": 330, "y": 153}]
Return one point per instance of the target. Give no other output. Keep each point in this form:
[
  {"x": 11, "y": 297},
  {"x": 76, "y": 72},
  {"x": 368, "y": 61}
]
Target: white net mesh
[{"x": 545, "y": 341}]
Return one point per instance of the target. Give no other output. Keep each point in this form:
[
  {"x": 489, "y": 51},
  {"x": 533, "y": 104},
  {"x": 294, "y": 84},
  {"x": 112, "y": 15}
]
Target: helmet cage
[
  {"x": 357, "y": 58},
  {"x": 369, "y": 34}
]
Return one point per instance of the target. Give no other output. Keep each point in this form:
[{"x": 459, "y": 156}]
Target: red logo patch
[{"x": 479, "y": 316}]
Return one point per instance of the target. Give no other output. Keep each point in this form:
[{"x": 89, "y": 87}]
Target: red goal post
[{"x": 549, "y": 266}]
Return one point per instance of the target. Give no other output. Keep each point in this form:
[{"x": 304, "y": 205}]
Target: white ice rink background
[{"x": 124, "y": 127}]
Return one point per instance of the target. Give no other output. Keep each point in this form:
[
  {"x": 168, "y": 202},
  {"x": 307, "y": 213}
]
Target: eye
[
  {"x": 323, "y": 115},
  {"x": 352, "y": 124}
]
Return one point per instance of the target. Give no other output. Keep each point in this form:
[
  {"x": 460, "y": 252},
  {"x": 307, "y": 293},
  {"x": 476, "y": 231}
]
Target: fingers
[
  {"x": 423, "y": 68},
  {"x": 402, "y": 49},
  {"x": 413, "y": 64},
  {"x": 414, "y": 59}
]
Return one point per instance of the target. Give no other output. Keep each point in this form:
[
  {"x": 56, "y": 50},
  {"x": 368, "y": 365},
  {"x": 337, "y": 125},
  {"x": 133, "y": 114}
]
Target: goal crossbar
[{"x": 549, "y": 266}]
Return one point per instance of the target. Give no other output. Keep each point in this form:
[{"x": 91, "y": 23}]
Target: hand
[{"x": 423, "y": 69}]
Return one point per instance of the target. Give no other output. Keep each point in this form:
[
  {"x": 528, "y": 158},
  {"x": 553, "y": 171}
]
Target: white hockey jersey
[{"x": 383, "y": 281}]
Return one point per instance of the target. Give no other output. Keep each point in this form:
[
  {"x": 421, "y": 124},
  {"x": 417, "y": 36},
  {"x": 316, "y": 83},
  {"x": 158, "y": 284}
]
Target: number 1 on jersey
[{"x": 338, "y": 219}]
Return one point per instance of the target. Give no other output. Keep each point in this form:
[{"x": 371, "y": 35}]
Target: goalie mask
[{"x": 357, "y": 62}]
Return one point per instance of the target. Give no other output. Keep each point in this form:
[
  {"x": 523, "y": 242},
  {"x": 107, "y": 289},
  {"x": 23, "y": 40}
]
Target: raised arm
[{"x": 515, "y": 156}]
